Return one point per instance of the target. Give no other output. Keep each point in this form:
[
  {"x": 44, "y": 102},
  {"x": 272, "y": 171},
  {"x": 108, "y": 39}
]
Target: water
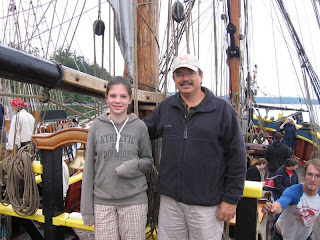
[{"x": 277, "y": 113}]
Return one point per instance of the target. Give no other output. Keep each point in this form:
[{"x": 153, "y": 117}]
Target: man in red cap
[{"x": 21, "y": 127}]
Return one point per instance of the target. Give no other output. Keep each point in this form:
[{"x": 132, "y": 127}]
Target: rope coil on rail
[{"x": 16, "y": 168}]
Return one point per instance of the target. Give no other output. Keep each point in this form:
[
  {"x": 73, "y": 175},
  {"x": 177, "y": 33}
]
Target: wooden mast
[
  {"x": 246, "y": 215},
  {"x": 147, "y": 49},
  {"x": 234, "y": 54},
  {"x": 147, "y": 46}
]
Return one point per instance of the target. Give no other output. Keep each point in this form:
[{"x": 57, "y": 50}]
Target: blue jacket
[
  {"x": 282, "y": 180},
  {"x": 203, "y": 161}
]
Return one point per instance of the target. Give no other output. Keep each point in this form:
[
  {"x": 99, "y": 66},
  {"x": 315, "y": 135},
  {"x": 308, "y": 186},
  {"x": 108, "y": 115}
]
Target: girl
[
  {"x": 290, "y": 133},
  {"x": 118, "y": 154},
  {"x": 285, "y": 177},
  {"x": 254, "y": 171}
]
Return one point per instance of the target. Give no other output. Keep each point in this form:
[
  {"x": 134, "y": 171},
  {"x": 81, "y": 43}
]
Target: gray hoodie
[{"x": 115, "y": 178}]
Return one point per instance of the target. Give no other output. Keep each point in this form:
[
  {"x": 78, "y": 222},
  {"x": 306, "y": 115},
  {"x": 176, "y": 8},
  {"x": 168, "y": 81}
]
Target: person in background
[
  {"x": 290, "y": 133},
  {"x": 277, "y": 153},
  {"x": 3, "y": 131},
  {"x": 255, "y": 171},
  {"x": 118, "y": 154},
  {"x": 203, "y": 161},
  {"x": 21, "y": 126},
  {"x": 299, "y": 206},
  {"x": 285, "y": 177}
]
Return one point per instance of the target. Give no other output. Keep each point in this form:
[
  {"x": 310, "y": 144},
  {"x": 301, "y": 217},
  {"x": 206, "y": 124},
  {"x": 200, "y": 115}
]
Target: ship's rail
[{"x": 49, "y": 171}]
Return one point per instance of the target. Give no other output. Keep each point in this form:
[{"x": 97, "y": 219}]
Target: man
[
  {"x": 21, "y": 127},
  {"x": 277, "y": 154},
  {"x": 203, "y": 161},
  {"x": 3, "y": 131},
  {"x": 299, "y": 206}
]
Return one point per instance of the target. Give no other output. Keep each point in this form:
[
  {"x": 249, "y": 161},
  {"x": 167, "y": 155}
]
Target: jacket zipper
[{"x": 185, "y": 136}]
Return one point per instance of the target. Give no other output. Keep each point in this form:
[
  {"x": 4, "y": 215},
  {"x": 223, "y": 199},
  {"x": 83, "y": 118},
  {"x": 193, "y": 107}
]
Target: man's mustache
[{"x": 186, "y": 83}]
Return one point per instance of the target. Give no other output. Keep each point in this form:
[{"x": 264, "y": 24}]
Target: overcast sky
[{"x": 268, "y": 39}]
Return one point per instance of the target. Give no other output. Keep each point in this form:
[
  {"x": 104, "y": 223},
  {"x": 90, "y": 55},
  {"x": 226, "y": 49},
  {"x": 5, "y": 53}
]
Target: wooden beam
[{"x": 73, "y": 79}]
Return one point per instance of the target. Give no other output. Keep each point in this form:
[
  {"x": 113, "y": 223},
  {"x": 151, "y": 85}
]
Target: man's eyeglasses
[
  {"x": 180, "y": 75},
  {"x": 310, "y": 175}
]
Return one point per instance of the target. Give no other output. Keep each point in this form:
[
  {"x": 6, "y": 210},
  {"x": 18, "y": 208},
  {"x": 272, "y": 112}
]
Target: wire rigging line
[
  {"x": 175, "y": 40},
  {"x": 55, "y": 9},
  {"x": 75, "y": 29},
  {"x": 289, "y": 49},
  {"x": 304, "y": 61},
  {"x": 276, "y": 61},
  {"x": 32, "y": 35},
  {"x": 316, "y": 12},
  {"x": 60, "y": 29}
]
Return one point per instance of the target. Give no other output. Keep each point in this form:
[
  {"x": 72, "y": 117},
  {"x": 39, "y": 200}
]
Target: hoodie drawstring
[{"x": 118, "y": 132}]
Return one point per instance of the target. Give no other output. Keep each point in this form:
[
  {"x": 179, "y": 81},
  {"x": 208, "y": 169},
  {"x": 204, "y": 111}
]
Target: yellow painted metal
[
  {"x": 38, "y": 179},
  {"x": 64, "y": 219},
  {"x": 151, "y": 237},
  {"x": 252, "y": 189},
  {"x": 7, "y": 210},
  {"x": 75, "y": 178},
  {"x": 60, "y": 220},
  {"x": 37, "y": 167},
  {"x": 78, "y": 223}
]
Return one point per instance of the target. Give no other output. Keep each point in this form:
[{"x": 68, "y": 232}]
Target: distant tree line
[{"x": 79, "y": 63}]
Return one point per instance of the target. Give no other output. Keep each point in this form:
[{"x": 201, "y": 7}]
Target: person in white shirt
[
  {"x": 299, "y": 206},
  {"x": 21, "y": 127}
]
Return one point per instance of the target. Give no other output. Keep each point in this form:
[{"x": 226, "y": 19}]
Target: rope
[
  {"x": 225, "y": 235},
  {"x": 153, "y": 201},
  {"x": 70, "y": 109},
  {"x": 135, "y": 61},
  {"x": 40, "y": 97},
  {"x": 20, "y": 95},
  {"x": 276, "y": 62},
  {"x": 19, "y": 167}
]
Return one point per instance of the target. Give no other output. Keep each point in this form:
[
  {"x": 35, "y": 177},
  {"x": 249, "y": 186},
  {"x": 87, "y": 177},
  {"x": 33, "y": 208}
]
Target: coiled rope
[{"x": 19, "y": 167}]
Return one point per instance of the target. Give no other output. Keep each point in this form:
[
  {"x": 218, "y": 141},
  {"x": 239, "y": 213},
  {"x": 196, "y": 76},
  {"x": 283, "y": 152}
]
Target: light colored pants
[
  {"x": 180, "y": 221},
  {"x": 120, "y": 222}
]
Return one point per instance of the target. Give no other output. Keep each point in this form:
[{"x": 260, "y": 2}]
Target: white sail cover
[{"x": 123, "y": 17}]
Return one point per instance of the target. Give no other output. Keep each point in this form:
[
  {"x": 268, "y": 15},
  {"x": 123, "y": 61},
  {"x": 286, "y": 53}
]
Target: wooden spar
[
  {"x": 22, "y": 67},
  {"x": 147, "y": 45},
  {"x": 234, "y": 56}
]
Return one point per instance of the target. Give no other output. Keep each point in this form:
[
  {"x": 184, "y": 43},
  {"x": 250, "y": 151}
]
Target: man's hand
[
  {"x": 226, "y": 211},
  {"x": 270, "y": 208}
]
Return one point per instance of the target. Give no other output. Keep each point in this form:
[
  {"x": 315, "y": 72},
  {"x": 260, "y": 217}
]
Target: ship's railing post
[
  {"x": 247, "y": 211},
  {"x": 246, "y": 219},
  {"x": 50, "y": 146},
  {"x": 52, "y": 196}
]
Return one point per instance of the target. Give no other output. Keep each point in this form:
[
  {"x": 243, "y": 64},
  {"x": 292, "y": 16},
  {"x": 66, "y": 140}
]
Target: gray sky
[{"x": 269, "y": 51}]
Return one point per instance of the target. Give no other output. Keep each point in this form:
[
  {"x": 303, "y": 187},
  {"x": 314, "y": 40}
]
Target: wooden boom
[{"x": 23, "y": 67}]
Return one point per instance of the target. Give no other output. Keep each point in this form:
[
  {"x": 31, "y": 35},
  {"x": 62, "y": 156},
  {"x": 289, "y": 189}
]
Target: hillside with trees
[{"x": 79, "y": 63}]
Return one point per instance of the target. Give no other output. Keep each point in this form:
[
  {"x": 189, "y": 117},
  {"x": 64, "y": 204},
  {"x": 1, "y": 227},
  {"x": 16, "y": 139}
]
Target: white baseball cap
[{"x": 187, "y": 61}]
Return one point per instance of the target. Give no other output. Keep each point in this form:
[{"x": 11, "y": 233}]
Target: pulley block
[
  {"x": 98, "y": 27},
  {"x": 178, "y": 13}
]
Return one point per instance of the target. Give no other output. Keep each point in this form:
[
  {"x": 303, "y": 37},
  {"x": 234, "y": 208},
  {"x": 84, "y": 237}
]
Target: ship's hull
[{"x": 305, "y": 142}]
